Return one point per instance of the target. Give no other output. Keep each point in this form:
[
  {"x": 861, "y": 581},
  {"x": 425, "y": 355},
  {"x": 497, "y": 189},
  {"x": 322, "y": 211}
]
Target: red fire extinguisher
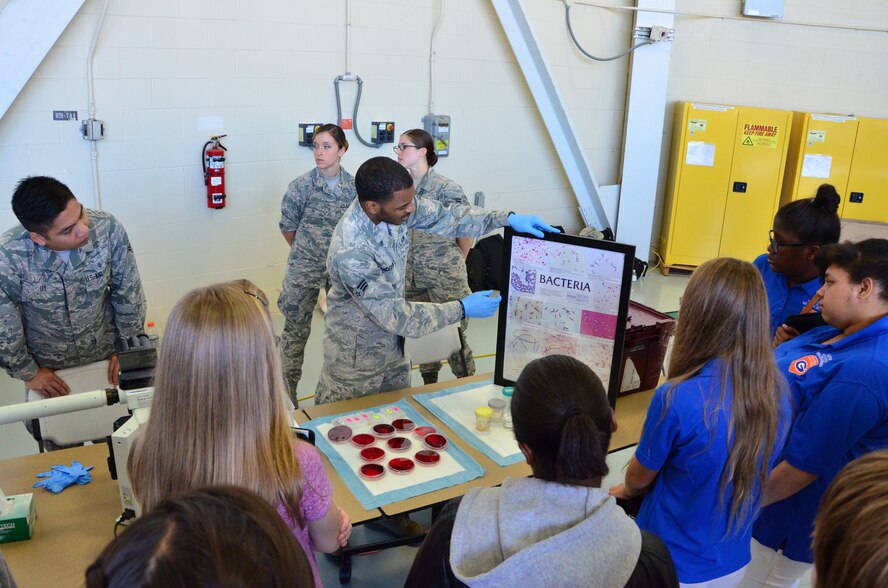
[{"x": 213, "y": 160}]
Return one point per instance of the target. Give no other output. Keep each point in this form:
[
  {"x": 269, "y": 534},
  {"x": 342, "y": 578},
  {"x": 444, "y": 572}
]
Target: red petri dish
[
  {"x": 372, "y": 454},
  {"x": 403, "y": 425},
  {"x": 339, "y": 434},
  {"x": 435, "y": 441},
  {"x": 371, "y": 471},
  {"x": 399, "y": 444},
  {"x": 423, "y": 431},
  {"x": 427, "y": 457},
  {"x": 401, "y": 465},
  {"x": 383, "y": 430},
  {"x": 363, "y": 440}
]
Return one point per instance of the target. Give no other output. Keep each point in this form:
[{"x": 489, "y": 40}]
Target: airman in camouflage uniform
[
  {"x": 368, "y": 316},
  {"x": 57, "y": 313},
  {"x": 310, "y": 208},
  {"x": 436, "y": 271}
]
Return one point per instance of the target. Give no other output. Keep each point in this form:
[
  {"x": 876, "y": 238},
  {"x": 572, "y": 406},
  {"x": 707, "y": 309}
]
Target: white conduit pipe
[
  {"x": 348, "y": 33},
  {"x": 779, "y": 21},
  {"x": 94, "y": 150},
  {"x": 432, "y": 58}
]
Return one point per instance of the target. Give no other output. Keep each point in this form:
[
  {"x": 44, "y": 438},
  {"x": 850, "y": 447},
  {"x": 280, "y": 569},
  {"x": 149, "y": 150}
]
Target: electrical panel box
[
  {"x": 763, "y": 8},
  {"x": 821, "y": 149},
  {"x": 306, "y": 133},
  {"x": 382, "y": 132},
  {"x": 92, "y": 129},
  {"x": 725, "y": 179},
  {"x": 438, "y": 126}
]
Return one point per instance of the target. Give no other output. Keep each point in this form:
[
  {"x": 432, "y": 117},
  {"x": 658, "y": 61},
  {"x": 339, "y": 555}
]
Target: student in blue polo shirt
[
  {"x": 713, "y": 429},
  {"x": 788, "y": 269},
  {"x": 838, "y": 375}
]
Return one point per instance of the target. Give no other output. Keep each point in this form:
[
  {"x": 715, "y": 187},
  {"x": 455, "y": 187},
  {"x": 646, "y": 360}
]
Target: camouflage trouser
[
  {"x": 297, "y": 306},
  {"x": 462, "y": 363},
  {"x": 332, "y": 388}
]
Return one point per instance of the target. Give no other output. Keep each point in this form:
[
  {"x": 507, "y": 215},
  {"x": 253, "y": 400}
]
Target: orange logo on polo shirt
[{"x": 803, "y": 364}]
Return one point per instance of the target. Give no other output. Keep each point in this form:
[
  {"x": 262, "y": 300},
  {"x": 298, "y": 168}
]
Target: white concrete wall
[{"x": 264, "y": 66}]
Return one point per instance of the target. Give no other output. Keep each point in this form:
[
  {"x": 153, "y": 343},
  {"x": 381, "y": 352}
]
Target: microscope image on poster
[{"x": 566, "y": 295}]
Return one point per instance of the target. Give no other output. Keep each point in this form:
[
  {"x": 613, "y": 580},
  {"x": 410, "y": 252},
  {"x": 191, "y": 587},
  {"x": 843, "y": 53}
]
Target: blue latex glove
[
  {"x": 530, "y": 224},
  {"x": 481, "y": 304},
  {"x": 63, "y": 476}
]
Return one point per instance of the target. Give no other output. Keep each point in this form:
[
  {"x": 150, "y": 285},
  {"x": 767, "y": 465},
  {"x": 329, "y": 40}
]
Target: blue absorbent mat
[{"x": 356, "y": 485}]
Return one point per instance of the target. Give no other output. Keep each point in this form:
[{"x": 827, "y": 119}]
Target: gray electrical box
[
  {"x": 92, "y": 129},
  {"x": 763, "y": 8},
  {"x": 438, "y": 126}
]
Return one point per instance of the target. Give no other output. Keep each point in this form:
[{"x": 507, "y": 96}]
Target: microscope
[{"x": 138, "y": 357}]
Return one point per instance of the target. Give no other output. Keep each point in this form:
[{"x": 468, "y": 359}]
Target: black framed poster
[{"x": 567, "y": 295}]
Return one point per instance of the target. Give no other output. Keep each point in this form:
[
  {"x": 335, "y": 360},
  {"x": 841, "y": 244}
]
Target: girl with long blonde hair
[
  {"x": 219, "y": 416},
  {"x": 714, "y": 429}
]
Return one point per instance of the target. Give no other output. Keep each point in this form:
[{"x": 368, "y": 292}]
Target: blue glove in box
[{"x": 18, "y": 524}]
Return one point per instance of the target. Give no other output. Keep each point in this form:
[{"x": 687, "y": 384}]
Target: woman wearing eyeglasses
[
  {"x": 313, "y": 204},
  {"x": 788, "y": 269},
  {"x": 436, "y": 267}
]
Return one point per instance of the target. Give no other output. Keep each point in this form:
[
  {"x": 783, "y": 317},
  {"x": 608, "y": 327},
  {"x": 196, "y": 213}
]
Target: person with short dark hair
[
  {"x": 69, "y": 287},
  {"x": 849, "y": 532},
  {"x": 837, "y": 375},
  {"x": 221, "y": 536},
  {"x": 313, "y": 204},
  {"x": 791, "y": 277},
  {"x": 558, "y": 528},
  {"x": 436, "y": 266},
  {"x": 368, "y": 316}
]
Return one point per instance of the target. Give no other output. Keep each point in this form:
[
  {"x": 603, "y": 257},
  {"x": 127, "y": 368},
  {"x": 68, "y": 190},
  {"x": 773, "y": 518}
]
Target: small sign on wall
[{"x": 64, "y": 115}]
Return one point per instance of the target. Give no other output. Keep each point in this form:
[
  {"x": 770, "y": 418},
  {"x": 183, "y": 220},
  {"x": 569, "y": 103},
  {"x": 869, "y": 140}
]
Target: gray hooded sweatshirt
[{"x": 534, "y": 533}]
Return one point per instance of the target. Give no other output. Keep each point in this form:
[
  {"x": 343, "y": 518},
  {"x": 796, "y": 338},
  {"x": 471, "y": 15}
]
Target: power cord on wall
[{"x": 589, "y": 55}]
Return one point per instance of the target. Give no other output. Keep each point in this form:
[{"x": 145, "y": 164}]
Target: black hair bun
[{"x": 827, "y": 198}]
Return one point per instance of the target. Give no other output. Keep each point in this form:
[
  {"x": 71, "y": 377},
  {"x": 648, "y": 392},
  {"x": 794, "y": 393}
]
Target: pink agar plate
[
  {"x": 435, "y": 441},
  {"x": 339, "y": 434},
  {"x": 401, "y": 465},
  {"x": 371, "y": 471},
  {"x": 363, "y": 440},
  {"x": 403, "y": 425},
  {"x": 423, "y": 431},
  {"x": 383, "y": 430},
  {"x": 399, "y": 444},
  {"x": 427, "y": 457},
  {"x": 372, "y": 454}
]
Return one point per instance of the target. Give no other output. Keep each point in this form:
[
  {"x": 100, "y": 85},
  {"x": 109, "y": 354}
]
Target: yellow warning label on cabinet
[
  {"x": 816, "y": 136},
  {"x": 760, "y": 135},
  {"x": 697, "y": 124}
]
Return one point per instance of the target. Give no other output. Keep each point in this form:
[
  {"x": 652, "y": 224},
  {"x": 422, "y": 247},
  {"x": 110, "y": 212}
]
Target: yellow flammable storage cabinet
[
  {"x": 820, "y": 152},
  {"x": 726, "y": 174},
  {"x": 867, "y": 192}
]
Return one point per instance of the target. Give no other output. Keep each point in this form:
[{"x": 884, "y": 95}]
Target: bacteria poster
[{"x": 564, "y": 295}]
